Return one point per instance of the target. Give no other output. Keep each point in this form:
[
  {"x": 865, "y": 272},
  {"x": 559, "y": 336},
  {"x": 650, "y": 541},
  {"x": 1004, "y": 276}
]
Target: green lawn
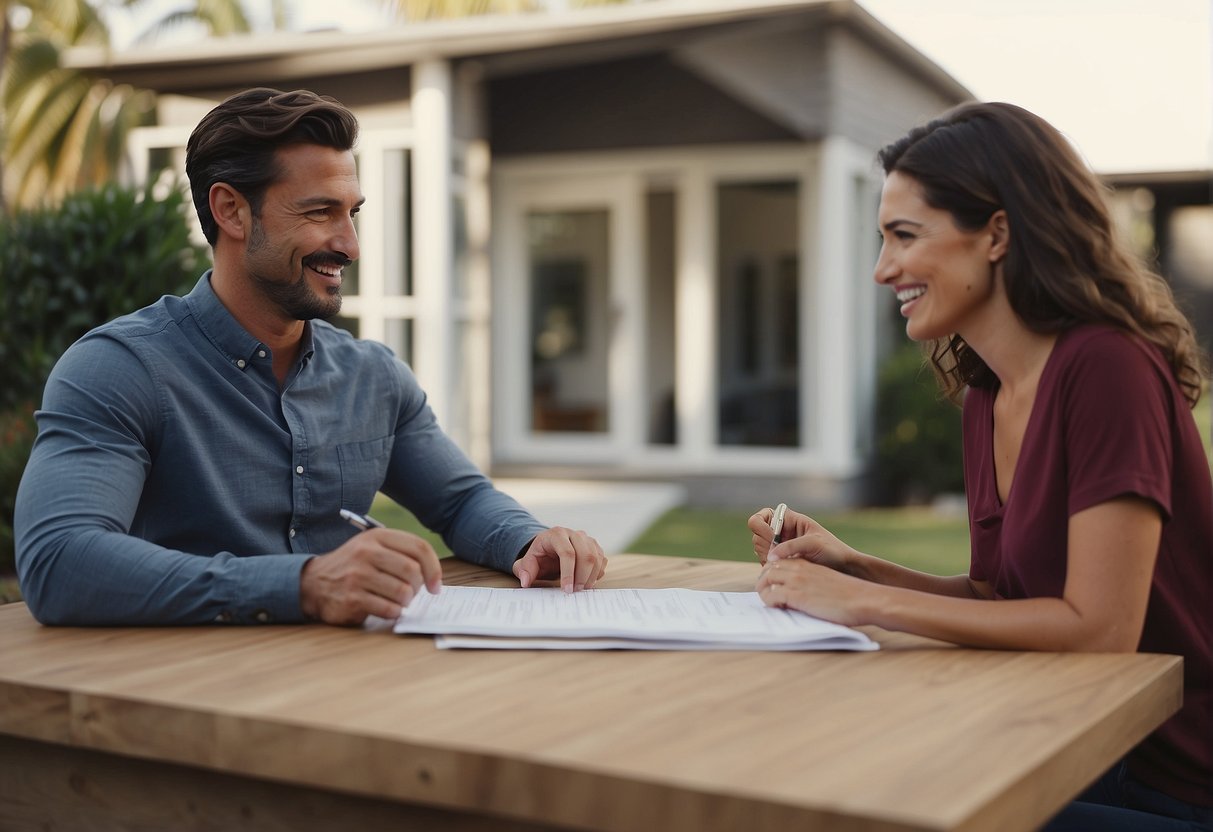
[
  {"x": 916, "y": 537},
  {"x": 919, "y": 538}
]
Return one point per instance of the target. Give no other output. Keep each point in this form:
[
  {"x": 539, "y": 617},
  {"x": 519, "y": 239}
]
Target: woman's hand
[
  {"x": 802, "y": 537},
  {"x": 795, "y": 583}
]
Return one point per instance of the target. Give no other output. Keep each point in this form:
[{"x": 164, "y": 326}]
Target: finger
[
  {"x": 559, "y": 543},
  {"x": 774, "y": 595},
  {"x": 419, "y": 564},
  {"x": 385, "y": 606},
  {"x": 585, "y": 559},
  {"x": 765, "y": 578},
  {"x": 526, "y": 568},
  {"x": 600, "y": 566},
  {"x": 761, "y": 519}
]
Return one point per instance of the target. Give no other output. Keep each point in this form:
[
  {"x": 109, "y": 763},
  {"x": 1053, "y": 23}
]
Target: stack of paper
[{"x": 632, "y": 619}]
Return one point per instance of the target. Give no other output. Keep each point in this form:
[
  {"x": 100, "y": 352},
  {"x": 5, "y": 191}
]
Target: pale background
[{"x": 1129, "y": 81}]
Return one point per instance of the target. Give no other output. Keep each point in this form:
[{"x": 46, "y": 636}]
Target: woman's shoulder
[{"x": 1102, "y": 346}]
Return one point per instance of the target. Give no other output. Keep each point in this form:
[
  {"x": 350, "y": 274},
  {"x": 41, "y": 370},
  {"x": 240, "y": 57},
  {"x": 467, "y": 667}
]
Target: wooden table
[{"x": 316, "y": 727}]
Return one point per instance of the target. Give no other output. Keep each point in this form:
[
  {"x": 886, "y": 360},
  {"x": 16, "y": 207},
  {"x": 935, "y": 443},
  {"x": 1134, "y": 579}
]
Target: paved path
[{"x": 613, "y": 512}]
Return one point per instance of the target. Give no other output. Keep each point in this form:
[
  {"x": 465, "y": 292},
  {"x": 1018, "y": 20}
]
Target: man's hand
[
  {"x": 376, "y": 572},
  {"x": 573, "y": 556}
]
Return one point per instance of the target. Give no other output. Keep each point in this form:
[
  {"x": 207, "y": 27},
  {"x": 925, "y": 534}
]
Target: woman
[{"x": 1089, "y": 495}]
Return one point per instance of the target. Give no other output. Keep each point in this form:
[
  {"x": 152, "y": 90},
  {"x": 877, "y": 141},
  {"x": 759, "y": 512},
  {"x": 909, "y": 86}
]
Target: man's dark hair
[{"x": 235, "y": 143}]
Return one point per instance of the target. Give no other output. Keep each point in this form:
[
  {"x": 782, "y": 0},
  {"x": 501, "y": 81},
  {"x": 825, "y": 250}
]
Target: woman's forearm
[
  {"x": 1049, "y": 624},
  {"x": 880, "y": 571}
]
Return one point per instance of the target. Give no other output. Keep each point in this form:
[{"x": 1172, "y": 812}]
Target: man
[{"x": 193, "y": 457}]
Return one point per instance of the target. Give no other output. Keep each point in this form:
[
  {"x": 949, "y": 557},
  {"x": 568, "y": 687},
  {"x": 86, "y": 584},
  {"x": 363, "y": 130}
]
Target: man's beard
[{"x": 296, "y": 298}]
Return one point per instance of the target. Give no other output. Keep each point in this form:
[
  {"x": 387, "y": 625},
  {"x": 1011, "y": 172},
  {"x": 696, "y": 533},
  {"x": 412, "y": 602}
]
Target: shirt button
[
  {"x": 262, "y": 616},
  {"x": 298, "y": 469},
  {"x": 261, "y": 353},
  {"x": 291, "y": 534},
  {"x": 241, "y": 363}
]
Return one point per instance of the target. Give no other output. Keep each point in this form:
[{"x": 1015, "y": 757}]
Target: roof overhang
[{"x": 503, "y": 42}]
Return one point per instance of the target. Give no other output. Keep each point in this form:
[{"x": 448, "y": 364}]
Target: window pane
[
  {"x": 398, "y": 334},
  {"x": 569, "y": 270},
  {"x": 758, "y": 305},
  {"x": 661, "y": 224},
  {"x": 397, "y": 218}
]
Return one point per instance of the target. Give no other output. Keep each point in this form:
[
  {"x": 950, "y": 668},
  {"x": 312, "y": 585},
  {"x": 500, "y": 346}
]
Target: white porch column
[
  {"x": 432, "y": 233},
  {"x": 831, "y": 361},
  {"x": 696, "y": 359}
]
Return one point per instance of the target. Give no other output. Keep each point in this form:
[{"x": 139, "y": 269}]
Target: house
[
  {"x": 620, "y": 242},
  {"x": 1168, "y": 217}
]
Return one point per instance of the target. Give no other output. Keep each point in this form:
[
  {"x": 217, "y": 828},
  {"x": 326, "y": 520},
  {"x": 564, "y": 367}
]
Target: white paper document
[{"x": 547, "y": 618}]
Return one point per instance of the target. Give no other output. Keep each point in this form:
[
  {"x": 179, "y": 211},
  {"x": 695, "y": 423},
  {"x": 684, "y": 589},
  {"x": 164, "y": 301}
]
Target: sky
[{"x": 1129, "y": 81}]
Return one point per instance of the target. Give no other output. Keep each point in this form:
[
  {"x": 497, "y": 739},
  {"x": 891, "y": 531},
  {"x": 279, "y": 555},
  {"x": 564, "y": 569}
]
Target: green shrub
[
  {"x": 64, "y": 270},
  {"x": 918, "y": 451}
]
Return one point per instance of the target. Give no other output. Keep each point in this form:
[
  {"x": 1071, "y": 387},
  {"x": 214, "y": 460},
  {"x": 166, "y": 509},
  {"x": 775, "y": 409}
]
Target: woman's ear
[
  {"x": 1000, "y": 235},
  {"x": 230, "y": 210}
]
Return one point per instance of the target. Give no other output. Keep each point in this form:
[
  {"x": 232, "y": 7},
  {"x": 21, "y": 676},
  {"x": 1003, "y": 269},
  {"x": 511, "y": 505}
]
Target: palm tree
[
  {"x": 59, "y": 129},
  {"x": 218, "y": 18},
  {"x": 428, "y": 9}
]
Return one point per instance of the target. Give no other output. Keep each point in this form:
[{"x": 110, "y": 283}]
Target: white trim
[
  {"x": 695, "y": 324},
  {"x": 620, "y": 196},
  {"x": 475, "y": 309},
  {"x": 433, "y": 254},
  {"x": 829, "y": 306}
]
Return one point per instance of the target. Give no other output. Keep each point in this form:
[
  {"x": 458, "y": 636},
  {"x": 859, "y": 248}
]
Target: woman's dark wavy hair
[
  {"x": 235, "y": 142},
  {"x": 1064, "y": 265}
]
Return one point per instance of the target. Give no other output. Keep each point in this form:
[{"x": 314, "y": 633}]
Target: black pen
[{"x": 360, "y": 521}]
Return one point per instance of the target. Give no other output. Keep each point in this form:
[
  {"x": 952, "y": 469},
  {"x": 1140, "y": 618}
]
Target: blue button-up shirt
[{"x": 174, "y": 481}]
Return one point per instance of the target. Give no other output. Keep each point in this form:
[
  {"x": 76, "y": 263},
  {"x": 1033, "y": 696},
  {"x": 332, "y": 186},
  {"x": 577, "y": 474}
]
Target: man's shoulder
[{"x": 153, "y": 318}]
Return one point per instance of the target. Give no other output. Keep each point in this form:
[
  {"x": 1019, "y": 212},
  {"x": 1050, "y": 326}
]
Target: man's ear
[
  {"x": 231, "y": 211},
  {"x": 1000, "y": 235}
]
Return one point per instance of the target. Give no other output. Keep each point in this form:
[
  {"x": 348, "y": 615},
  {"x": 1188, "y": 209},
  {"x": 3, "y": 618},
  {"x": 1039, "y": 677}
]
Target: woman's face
[{"x": 944, "y": 277}]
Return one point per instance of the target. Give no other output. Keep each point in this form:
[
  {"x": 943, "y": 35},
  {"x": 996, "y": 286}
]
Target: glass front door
[{"x": 569, "y": 268}]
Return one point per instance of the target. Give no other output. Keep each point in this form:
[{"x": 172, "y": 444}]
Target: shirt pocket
[{"x": 363, "y": 470}]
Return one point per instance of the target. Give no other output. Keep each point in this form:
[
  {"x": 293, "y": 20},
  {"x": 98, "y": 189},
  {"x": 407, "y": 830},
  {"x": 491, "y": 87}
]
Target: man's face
[{"x": 304, "y": 235}]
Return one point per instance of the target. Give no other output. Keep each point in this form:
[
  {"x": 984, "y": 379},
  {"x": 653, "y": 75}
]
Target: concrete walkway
[{"x": 615, "y": 513}]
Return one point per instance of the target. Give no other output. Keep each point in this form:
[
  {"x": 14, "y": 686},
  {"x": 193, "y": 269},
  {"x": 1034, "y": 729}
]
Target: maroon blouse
[{"x": 1109, "y": 421}]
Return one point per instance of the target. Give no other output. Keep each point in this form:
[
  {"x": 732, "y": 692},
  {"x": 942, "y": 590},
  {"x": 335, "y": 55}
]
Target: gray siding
[
  {"x": 873, "y": 100},
  {"x": 781, "y": 73},
  {"x": 637, "y": 102}
]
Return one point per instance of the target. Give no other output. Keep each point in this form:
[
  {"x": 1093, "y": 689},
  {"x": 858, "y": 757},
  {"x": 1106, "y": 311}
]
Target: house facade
[{"x": 623, "y": 242}]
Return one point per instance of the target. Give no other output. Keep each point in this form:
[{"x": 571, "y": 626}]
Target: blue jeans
[{"x": 1118, "y": 803}]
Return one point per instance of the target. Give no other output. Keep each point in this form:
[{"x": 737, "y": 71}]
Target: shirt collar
[{"x": 228, "y": 336}]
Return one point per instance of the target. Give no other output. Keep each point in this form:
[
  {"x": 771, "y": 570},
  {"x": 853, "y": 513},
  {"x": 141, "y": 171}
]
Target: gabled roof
[{"x": 507, "y": 43}]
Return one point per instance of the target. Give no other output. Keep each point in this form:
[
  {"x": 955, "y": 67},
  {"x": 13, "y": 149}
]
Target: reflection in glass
[
  {"x": 569, "y": 273},
  {"x": 661, "y": 249},
  {"x": 398, "y": 334},
  {"x": 397, "y": 224},
  {"x": 758, "y": 263}
]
